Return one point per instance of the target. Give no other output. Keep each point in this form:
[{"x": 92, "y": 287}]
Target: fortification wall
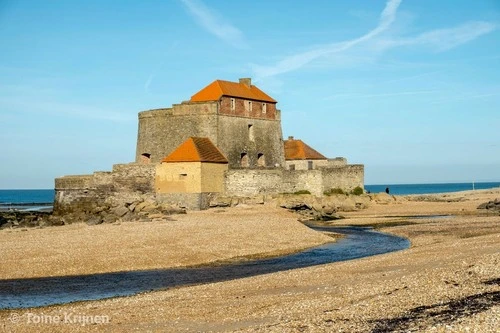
[
  {"x": 347, "y": 177},
  {"x": 247, "y": 182},
  {"x": 127, "y": 182},
  {"x": 298, "y": 180},
  {"x": 161, "y": 131},
  {"x": 249, "y": 136}
]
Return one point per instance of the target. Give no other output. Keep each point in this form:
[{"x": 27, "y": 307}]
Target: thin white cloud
[
  {"x": 297, "y": 61},
  {"x": 374, "y": 44},
  {"x": 215, "y": 24},
  {"x": 445, "y": 39}
]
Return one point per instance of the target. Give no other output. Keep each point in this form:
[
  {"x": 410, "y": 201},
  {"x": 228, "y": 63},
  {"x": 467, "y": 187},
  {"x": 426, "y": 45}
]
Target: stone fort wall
[
  {"x": 130, "y": 182},
  {"x": 163, "y": 130},
  {"x": 83, "y": 193},
  {"x": 248, "y": 182}
]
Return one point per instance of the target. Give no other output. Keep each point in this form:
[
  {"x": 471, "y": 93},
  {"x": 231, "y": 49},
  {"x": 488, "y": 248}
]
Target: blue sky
[{"x": 411, "y": 89}]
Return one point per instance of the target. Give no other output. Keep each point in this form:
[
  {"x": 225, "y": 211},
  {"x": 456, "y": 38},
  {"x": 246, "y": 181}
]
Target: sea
[
  {"x": 27, "y": 200},
  {"x": 406, "y": 189},
  {"x": 42, "y": 200}
]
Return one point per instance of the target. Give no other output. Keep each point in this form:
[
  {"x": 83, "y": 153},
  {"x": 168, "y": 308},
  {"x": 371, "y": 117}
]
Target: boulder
[
  {"x": 120, "y": 211},
  {"x": 493, "y": 205}
]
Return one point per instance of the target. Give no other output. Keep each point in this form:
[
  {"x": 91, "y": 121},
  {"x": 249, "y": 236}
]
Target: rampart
[
  {"x": 83, "y": 193},
  {"x": 251, "y": 182}
]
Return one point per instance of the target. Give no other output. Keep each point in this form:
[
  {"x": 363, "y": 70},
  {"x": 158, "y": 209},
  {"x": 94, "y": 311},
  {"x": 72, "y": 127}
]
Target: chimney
[
  {"x": 290, "y": 138},
  {"x": 246, "y": 81}
]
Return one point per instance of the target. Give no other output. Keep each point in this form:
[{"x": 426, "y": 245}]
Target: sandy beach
[{"x": 447, "y": 281}]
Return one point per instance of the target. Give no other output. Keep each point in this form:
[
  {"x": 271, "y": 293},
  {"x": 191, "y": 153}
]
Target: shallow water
[{"x": 35, "y": 292}]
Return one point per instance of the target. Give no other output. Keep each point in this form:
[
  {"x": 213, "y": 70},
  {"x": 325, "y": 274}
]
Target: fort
[{"x": 225, "y": 141}]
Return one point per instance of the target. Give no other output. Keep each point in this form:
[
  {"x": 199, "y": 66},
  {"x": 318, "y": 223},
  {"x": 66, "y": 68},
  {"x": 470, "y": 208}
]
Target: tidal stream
[{"x": 357, "y": 242}]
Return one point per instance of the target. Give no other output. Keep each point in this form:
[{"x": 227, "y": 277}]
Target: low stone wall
[
  {"x": 85, "y": 193},
  {"x": 347, "y": 177},
  {"x": 252, "y": 182}
]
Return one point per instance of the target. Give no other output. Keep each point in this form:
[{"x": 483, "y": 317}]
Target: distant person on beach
[{"x": 387, "y": 190}]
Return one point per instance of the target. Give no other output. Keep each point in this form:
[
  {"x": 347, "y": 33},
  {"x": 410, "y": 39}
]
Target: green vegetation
[
  {"x": 334, "y": 191},
  {"x": 357, "y": 191},
  {"x": 302, "y": 192}
]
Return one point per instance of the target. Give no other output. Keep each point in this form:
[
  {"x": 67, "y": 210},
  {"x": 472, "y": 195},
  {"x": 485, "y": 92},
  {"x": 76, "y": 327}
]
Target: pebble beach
[{"x": 447, "y": 281}]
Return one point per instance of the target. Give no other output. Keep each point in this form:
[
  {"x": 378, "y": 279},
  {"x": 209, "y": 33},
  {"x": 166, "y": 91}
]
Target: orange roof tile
[
  {"x": 196, "y": 150},
  {"x": 298, "y": 150},
  {"x": 215, "y": 90}
]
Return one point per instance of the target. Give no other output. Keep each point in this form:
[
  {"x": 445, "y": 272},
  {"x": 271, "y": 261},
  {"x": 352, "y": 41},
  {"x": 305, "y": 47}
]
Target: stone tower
[{"x": 239, "y": 118}]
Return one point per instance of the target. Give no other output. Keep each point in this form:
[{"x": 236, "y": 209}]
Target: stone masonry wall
[
  {"x": 239, "y": 135},
  {"x": 84, "y": 193},
  {"x": 161, "y": 131},
  {"x": 247, "y": 182},
  {"x": 346, "y": 178}
]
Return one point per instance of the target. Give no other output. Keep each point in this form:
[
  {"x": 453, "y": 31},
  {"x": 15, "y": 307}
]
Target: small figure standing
[{"x": 387, "y": 190}]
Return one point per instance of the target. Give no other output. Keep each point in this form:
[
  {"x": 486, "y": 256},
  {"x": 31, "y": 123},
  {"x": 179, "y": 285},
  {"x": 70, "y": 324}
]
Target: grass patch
[
  {"x": 302, "y": 192},
  {"x": 334, "y": 191},
  {"x": 357, "y": 191}
]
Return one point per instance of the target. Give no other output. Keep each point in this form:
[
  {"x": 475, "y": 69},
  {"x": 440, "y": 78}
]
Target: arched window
[
  {"x": 146, "y": 158},
  {"x": 261, "y": 160},
  {"x": 244, "y": 160}
]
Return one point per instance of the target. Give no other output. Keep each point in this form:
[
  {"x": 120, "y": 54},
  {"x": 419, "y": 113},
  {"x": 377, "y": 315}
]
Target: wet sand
[{"x": 448, "y": 281}]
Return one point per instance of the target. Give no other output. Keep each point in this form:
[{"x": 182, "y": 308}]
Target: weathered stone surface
[
  {"x": 382, "y": 198},
  {"x": 120, "y": 211},
  {"x": 493, "y": 205}
]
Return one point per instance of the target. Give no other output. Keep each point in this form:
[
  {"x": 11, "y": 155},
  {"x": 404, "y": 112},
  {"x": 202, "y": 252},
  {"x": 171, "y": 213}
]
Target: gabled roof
[
  {"x": 298, "y": 150},
  {"x": 196, "y": 150},
  {"x": 215, "y": 90}
]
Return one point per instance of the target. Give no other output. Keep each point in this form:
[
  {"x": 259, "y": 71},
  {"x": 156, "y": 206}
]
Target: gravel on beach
[{"x": 448, "y": 281}]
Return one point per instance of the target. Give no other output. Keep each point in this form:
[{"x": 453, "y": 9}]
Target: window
[
  {"x": 309, "y": 165},
  {"x": 264, "y": 107},
  {"x": 248, "y": 106},
  {"x": 292, "y": 166},
  {"x": 261, "y": 160},
  {"x": 182, "y": 176},
  {"x": 244, "y": 160},
  {"x": 146, "y": 158},
  {"x": 250, "y": 132},
  {"x": 233, "y": 104}
]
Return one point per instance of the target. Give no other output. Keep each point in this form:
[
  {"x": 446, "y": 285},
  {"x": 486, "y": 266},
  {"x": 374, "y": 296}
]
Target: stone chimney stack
[
  {"x": 246, "y": 81},
  {"x": 290, "y": 138}
]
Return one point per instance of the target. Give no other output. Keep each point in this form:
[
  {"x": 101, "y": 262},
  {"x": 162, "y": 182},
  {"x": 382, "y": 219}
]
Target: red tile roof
[
  {"x": 196, "y": 150},
  {"x": 298, "y": 150},
  {"x": 215, "y": 90}
]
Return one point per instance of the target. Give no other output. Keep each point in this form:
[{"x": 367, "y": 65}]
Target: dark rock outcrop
[
  {"x": 493, "y": 205},
  {"x": 139, "y": 210}
]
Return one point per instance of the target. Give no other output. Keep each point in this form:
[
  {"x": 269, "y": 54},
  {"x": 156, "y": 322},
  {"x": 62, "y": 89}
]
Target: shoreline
[{"x": 447, "y": 281}]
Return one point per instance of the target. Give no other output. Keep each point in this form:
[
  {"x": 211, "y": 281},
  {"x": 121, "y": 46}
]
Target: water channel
[{"x": 357, "y": 242}]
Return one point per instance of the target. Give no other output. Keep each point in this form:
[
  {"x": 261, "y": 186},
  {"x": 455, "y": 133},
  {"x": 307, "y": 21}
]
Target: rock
[
  {"x": 120, "y": 211},
  {"x": 94, "y": 220},
  {"x": 348, "y": 205},
  {"x": 221, "y": 202},
  {"x": 493, "y": 205},
  {"x": 382, "y": 198}
]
